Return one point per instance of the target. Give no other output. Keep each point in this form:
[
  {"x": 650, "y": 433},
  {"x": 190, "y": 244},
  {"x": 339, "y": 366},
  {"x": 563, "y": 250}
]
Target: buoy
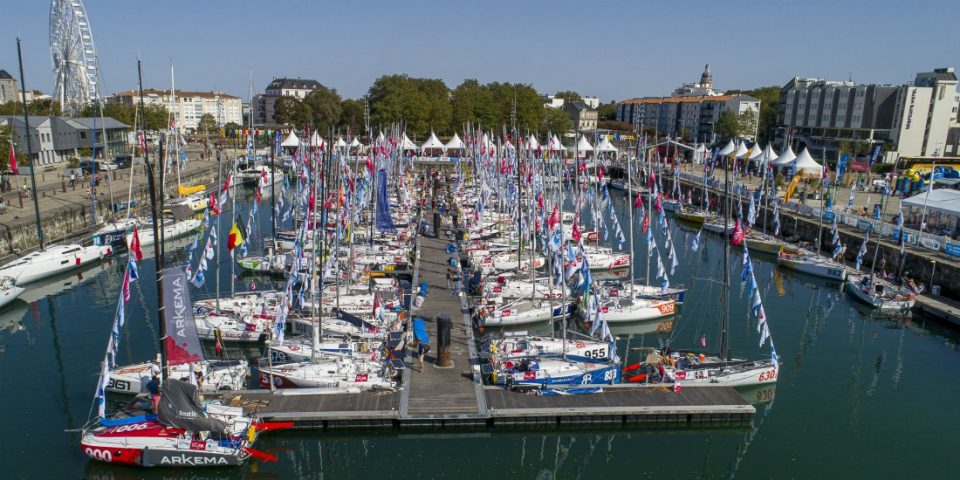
[
  {"x": 702, "y": 357},
  {"x": 631, "y": 367},
  {"x": 637, "y": 378}
]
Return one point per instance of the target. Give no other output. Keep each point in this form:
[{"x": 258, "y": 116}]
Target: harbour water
[{"x": 858, "y": 396}]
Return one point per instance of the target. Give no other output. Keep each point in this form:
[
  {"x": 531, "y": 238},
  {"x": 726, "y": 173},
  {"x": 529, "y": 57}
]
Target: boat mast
[
  {"x": 273, "y": 195},
  {"x": 649, "y": 213},
  {"x": 884, "y": 201},
  {"x": 630, "y": 212},
  {"x": 724, "y": 294},
  {"x": 157, "y": 256},
  {"x": 217, "y": 247},
  {"x": 26, "y": 133},
  {"x": 822, "y": 205}
]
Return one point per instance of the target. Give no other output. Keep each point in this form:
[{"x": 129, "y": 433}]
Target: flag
[
  {"x": 126, "y": 287},
  {"x": 863, "y": 250},
  {"x": 791, "y": 188},
  {"x": 696, "y": 242},
  {"x": 575, "y": 233},
  {"x": 554, "y": 218},
  {"x": 135, "y": 245},
  {"x": 853, "y": 189},
  {"x": 13, "y": 161},
  {"x": 636, "y": 203},
  {"x": 237, "y": 235},
  {"x": 736, "y": 237}
]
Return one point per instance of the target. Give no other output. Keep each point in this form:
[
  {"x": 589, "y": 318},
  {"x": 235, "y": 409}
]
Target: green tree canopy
[
  {"x": 156, "y": 117},
  {"x": 556, "y": 122},
  {"x": 728, "y": 125},
  {"x": 325, "y": 108},
  {"x": 568, "y": 96},
  {"x": 607, "y": 111},
  {"x": 473, "y": 103},
  {"x": 291, "y": 111},
  {"x": 398, "y": 98},
  {"x": 207, "y": 124},
  {"x": 769, "y": 98},
  {"x": 747, "y": 123},
  {"x": 232, "y": 126},
  {"x": 352, "y": 119}
]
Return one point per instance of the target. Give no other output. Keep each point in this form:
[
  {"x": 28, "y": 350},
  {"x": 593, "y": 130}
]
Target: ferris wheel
[{"x": 73, "y": 55}]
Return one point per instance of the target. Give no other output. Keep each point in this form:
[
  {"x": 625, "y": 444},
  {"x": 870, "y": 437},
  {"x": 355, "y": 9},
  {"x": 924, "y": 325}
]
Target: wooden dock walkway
[
  {"x": 441, "y": 391},
  {"x": 938, "y": 307}
]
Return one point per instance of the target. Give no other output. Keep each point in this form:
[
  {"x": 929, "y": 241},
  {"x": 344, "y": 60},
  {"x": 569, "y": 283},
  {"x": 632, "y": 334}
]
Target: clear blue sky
[{"x": 614, "y": 50}]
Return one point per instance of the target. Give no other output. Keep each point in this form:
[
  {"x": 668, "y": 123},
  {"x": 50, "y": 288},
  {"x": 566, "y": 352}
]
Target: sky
[{"x": 614, "y": 50}]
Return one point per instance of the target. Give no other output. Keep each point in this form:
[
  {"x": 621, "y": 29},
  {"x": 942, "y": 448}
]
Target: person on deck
[{"x": 153, "y": 388}]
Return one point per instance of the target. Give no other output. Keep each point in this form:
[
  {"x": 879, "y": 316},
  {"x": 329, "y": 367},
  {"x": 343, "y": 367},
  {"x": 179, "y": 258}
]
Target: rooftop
[
  {"x": 717, "y": 98},
  {"x": 179, "y": 93},
  {"x": 300, "y": 83},
  {"x": 5, "y": 76}
]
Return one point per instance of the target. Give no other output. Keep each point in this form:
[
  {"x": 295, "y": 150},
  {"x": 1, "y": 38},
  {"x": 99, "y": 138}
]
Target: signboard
[
  {"x": 932, "y": 243},
  {"x": 858, "y": 167},
  {"x": 828, "y": 215},
  {"x": 863, "y": 225},
  {"x": 952, "y": 248},
  {"x": 850, "y": 221}
]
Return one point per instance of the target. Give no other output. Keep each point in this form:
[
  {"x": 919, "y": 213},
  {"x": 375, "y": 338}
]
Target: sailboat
[
  {"x": 873, "y": 290},
  {"x": 48, "y": 260},
  {"x": 181, "y": 432},
  {"x": 9, "y": 291},
  {"x": 693, "y": 368}
]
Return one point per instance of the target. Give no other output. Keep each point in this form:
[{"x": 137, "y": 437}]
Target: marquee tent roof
[
  {"x": 605, "y": 146},
  {"x": 754, "y": 152},
  {"x": 316, "y": 140},
  {"x": 742, "y": 150},
  {"x": 583, "y": 145},
  {"x": 940, "y": 200},
  {"x": 727, "y": 149},
  {"x": 407, "y": 144},
  {"x": 768, "y": 154},
  {"x": 340, "y": 143},
  {"x": 454, "y": 144},
  {"x": 532, "y": 142},
  {"x": 291, "y": 141},
  {"x": 806, "y": 165},
  {"x": 556, "y": 145},
  {"x": 432, "y": 142},
  {"x": 786, "y": 157},
  {"x": 355, "y": 143}
]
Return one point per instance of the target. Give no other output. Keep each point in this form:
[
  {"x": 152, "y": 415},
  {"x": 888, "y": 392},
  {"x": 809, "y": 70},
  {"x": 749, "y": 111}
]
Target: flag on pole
[
  {"x": 13, "y": 161},
  {"x": 135, "y": 245},
  {"x": 237, "y": 235}
]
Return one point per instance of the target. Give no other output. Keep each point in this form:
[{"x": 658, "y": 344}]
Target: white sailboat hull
[
  {"x": 52, "y": 261},
  {"x": 813, "y": 265}
]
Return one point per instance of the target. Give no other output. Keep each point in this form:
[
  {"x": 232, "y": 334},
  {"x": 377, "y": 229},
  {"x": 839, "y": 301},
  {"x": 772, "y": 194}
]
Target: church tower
[{"x": 706, "y": 80}]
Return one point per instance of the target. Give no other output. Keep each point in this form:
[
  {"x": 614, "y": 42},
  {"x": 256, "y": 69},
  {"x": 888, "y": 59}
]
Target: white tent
[
  {"x": 700, "y": 153},
  {"x": 316, "y": 140},
  {"x": 606, "y": 146},
  {"x": 768, "y": 155},
  {"x": 556, "y": 145},
  {"x": 454, "y": 144},
  {"x": 532, "y": 143},
  {"x": 754, "y": 153},
  {"x": 805, "y": 165},
  {"x": 407, "y": 144},
  {"x": 291, "y": 141},
  {"x": 340, "y": 143},
  {"x": 583, "y": 145},
  {"x": 355, "y": 143},
  {"x": 432, "y": 143},
  {"x": 742, "y": 150},
  {"x": 786, "y": 158},
  {"x": 937, "y": 200},
  {"x": 728, "y": 149}
]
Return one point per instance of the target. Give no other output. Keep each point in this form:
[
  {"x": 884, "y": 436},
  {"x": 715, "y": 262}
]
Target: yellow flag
[
  {"x": 791, "y": 188},
  {"x": 778, "y": 281}
]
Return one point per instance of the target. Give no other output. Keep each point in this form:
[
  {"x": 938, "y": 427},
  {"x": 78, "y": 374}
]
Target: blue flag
[{"x": 384, "y": 220}]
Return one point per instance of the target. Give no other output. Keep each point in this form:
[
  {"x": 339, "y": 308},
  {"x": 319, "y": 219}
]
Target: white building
[
  {"x": 552, "y": 101},
  {"x": 264, "y": 104},
  {"x": 187, "y": 107},
  {"x": 57, "y": 139},
  {"x": 915, "y": 118},
  {"x": 592, "y": 102}
]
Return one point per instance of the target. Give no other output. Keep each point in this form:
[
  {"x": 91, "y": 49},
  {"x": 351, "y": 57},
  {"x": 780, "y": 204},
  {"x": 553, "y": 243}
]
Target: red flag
[
  {"x": 636, "y": 203},
  {"x": 126, "y": 287},
  {"x": 13, "y": 161},
  {"x": 135, "y": 245},
  {"x": 653, "y": 178},
  {"x": 256, "y": 194},
  {"x": 226, "y": 185},
  {"x": 736, "y": 237},
  {"x": 575, "y": 233},
  {"x": 540, "y": 200},
  {"x": 370, "y": 166},
  {"x": 646, "y": 224},
  {"x": 554, "y": 218},
  {"x": 658, "y": 205},
  {"x": 599, "y": 174},
  {"x": 214, "y": 205}
]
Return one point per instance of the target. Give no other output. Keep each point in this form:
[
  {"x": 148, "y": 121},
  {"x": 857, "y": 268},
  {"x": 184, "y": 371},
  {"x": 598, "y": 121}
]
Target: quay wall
[
  {"x": 72, "y": 220},
  {"x": 918, "y": 263}
]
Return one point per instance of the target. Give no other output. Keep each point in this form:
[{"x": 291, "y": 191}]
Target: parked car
[
  {"x": 87, "y": 166},
  {"x": 123, "y": 161}
]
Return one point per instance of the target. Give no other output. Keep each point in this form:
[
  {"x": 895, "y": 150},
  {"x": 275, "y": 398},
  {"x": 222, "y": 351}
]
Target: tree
[
  {"x": 747, "y": 123},
  {"x": 607, "y": 111},
  {"x": 396, "y": 98},
  {"x": 155, "y": 117},
  {"x": 231, "y": 126},
  {"x": 614, "y": 125},
  {"x": 728, "y": 125},
  {"x": 556, "y": 122},
  {"x": 207, "y": 124},
  {"x": 324, "y": 104},
  {"x": 568, "y": 96},
  {"x": 474, "y": 104},
  {"x": 291, "y": 111},
  {"x": 353, "y": 116},
  {"x": 769, "y": 98}
]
